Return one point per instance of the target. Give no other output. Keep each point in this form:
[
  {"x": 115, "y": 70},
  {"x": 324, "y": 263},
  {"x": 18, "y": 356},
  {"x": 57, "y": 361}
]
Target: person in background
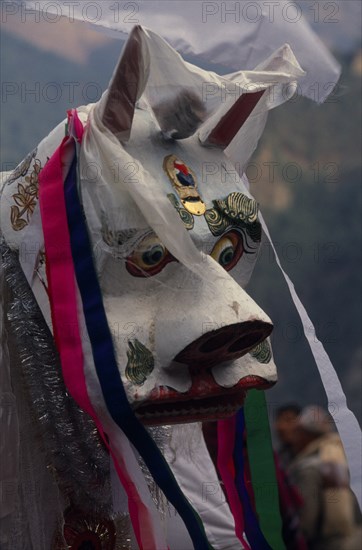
[
  {"x": 330, "y": 518},
  {"x": 289, "y": 499},
  {"x": 285, "y": 423}
]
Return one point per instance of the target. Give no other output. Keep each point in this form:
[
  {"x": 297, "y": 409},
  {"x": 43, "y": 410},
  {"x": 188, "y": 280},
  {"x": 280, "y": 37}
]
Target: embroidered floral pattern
[
  {"x": 22, "y": 169},
  {"x": 25, "y": 199}
]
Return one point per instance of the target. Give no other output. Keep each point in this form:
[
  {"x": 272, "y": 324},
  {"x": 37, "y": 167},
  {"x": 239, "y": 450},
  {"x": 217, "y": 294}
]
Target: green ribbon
[{"x": 262, "y": 468}]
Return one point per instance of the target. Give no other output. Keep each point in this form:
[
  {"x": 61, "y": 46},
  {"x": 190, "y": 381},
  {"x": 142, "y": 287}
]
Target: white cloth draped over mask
[{"x": 230, "y": 34}]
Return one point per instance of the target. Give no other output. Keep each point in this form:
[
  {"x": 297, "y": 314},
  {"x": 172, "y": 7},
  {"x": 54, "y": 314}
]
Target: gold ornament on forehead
[{"x": 184, "y": 181}]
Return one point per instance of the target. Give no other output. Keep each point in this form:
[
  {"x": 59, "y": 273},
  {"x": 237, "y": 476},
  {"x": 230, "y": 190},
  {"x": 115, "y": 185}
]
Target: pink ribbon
[
  {"x": 225, "y": 464},
  {"x": 63, "y": 302}
]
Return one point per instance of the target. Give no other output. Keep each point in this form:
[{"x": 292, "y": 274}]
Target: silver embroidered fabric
[{"x": 59, "y": 445}]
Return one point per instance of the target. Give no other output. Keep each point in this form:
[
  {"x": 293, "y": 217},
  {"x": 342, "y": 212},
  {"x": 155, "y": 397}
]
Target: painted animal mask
[{"x": 174, "y": 230}]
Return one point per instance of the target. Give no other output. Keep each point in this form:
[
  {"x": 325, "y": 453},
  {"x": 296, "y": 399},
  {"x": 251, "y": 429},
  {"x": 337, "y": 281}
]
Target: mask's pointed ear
[
  {"x": 221, "y": 129},
  {"x": 127, "y": 85},
  {"x": 274, "y": 79}
]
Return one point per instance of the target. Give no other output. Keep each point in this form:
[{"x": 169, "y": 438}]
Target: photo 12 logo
[
  {"x": 269, "y": 11},
  {"x": 89, "y": 12}
]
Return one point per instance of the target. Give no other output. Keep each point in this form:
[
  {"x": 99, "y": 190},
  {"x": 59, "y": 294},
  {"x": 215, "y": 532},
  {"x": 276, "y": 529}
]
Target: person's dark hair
[{"x": 289, "y": 407}]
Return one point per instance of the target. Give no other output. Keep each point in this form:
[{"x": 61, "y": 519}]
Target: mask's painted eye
[
  {"x": 149, "y": 258},
  {"x": 228, "y": 250}
]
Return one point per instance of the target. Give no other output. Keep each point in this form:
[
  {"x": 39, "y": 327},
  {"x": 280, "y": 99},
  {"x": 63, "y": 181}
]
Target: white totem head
[{"x": 174, "y": 229}]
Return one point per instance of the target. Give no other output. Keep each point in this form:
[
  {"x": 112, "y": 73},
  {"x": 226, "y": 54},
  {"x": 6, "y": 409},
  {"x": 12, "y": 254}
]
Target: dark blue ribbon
[
  {"x": 106, "y": 364},
  {"x": 252, "y": 529}
]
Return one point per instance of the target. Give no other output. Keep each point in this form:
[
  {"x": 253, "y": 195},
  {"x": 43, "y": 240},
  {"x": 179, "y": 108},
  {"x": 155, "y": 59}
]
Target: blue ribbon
[
  {"x": 252, "y": 528},
  {"x": 106, "y": 364}
]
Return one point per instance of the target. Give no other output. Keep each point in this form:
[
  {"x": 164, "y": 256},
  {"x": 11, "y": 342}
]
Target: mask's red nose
[{"x": 224, "y": 344}]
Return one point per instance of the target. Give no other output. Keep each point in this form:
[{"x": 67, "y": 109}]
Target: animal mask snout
[{"x": 224, "y": 344}]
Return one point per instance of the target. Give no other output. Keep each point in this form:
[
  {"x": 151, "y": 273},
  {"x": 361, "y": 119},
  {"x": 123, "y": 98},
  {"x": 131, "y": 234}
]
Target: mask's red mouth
[{"x": 205, "y": 401}]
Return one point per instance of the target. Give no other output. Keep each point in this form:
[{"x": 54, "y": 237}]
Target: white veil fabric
[{"x": 228, "y": 34}]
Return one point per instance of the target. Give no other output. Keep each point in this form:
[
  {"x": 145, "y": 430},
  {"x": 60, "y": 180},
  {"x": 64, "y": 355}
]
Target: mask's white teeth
[{"x": 189, "y": 412}]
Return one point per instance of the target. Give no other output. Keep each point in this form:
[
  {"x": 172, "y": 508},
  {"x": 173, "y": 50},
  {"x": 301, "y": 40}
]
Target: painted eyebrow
[{"x": 236, "y": 211}]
